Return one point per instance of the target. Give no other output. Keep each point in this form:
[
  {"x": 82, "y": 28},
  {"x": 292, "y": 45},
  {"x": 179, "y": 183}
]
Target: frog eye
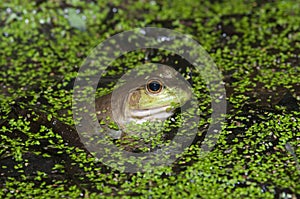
[{"x": 154, "y": 86}]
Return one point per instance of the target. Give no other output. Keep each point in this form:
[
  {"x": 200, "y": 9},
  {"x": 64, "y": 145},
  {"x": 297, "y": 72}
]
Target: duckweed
[{"x": 255, "y": 45}]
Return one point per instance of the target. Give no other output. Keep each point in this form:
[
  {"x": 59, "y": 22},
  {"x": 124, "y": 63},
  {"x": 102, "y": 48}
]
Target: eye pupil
[{"x": 154, "y": 86}]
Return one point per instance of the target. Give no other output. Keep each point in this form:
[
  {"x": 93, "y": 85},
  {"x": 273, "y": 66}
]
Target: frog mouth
[{"x": 159, "y": 113}]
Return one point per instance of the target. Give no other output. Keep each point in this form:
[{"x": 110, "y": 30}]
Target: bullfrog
[{"x": 147, "y": 94}]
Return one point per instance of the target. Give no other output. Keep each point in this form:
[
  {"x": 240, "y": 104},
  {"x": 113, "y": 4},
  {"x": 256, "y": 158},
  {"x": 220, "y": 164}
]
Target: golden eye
[{"x": 154, "y": 86}]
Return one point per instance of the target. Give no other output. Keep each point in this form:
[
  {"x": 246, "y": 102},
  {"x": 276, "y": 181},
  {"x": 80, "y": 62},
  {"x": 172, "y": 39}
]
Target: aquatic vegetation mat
[{"x": 255, "y": 45}]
